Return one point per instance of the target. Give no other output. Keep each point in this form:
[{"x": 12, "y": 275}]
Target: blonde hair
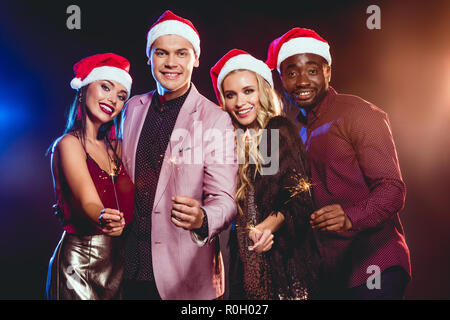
[{"x": 270, "y": 106}]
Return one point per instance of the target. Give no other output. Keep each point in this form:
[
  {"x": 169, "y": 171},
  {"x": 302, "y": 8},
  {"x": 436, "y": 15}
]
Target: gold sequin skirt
[{"x": 86, "y": 268}]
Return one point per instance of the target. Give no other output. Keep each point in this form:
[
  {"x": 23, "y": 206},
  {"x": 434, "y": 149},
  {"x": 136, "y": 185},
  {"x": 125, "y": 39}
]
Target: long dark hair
[{"x": 78, "y": 127}]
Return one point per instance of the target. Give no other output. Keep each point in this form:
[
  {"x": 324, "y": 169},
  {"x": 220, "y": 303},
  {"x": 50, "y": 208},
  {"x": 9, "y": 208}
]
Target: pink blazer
[{"x": 205, "y": 169}]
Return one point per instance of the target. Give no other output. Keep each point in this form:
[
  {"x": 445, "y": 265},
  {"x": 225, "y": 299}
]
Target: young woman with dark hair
[{"x": 94, "y": 194}]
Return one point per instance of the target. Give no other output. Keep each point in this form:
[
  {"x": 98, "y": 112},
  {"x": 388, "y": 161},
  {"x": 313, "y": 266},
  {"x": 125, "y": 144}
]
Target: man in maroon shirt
[{"x": 356, "y": 180}]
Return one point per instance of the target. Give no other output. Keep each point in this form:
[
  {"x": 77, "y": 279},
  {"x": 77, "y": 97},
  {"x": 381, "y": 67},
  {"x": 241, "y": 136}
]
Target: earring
[
  {"x": 112, "y": 133},
  {"x": 79, "y": 112}
]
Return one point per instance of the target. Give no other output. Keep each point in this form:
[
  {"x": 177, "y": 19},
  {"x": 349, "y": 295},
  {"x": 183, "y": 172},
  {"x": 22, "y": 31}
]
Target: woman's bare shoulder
[{"x": 67, "y": 146}]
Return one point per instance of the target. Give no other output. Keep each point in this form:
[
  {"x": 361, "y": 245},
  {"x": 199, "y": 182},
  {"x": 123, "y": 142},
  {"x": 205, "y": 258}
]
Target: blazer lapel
[
  {"x": 135, "y": 125},
  {"x": 183, "y": 125}
]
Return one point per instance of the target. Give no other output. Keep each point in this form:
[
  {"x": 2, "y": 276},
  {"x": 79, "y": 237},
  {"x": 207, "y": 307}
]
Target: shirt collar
[
  {"x": 318, "y": 110},
  {"x": 176, "y": 102}
]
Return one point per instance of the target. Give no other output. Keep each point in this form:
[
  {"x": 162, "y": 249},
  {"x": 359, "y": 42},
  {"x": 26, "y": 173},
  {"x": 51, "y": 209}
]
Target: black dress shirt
[{"x": 152, "y": 144}]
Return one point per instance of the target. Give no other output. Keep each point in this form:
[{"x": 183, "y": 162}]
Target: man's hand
[
  {"x": 186, "y": 213},
  {"x": 331, "y": 218}
]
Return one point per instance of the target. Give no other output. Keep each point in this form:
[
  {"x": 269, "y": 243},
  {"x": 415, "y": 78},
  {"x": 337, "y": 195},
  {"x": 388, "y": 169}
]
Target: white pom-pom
[{"x": 76, "y": 83}]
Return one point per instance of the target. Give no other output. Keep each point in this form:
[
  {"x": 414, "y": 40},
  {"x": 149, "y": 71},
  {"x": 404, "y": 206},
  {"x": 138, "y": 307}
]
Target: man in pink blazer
[{"x": 178, "y": 148}]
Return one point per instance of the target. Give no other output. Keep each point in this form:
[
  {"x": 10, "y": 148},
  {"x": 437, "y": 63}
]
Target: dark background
[{"x": 404, "y": 68}]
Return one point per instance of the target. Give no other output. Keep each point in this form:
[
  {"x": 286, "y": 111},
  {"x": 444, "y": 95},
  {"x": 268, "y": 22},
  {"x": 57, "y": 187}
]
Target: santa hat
[
  {"x": 105, "y": 66},
  {"x": 237, "y": 59},
  {"x": 296, "y": 41},
  {"x": 170, "y": 23}
]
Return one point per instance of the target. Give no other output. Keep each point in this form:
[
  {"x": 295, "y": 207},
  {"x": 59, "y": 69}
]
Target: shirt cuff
[
  {"x": 359, "y": 222},
  {"x": 200, "y": 235}
]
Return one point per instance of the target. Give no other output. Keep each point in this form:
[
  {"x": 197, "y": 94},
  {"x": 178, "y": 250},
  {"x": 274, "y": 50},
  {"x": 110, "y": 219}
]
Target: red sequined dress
[{"x": 87, "y": 264}]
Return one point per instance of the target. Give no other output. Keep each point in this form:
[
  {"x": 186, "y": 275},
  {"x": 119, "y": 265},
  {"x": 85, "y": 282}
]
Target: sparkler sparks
[
  {"x": 302, "y": 185},
  {"x": 248, "y": 227},
  {"x": 251, "y": 227}
]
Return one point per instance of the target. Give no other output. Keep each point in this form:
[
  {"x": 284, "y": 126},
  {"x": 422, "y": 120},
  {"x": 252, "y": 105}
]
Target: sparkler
[
  {"x": 302, "y": 185},
  {"x": 115, "y": 192},
  {"x": 172, "y": 161},
  {"x": 251, "y": 227}
]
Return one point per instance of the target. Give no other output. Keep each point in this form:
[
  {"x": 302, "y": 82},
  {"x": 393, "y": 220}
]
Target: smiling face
[
  {"x": 241, "y": 95},
  {"x": 305, "y": 78},
  {"x": 105, "y": 99},
  {"x": 172, "y": 59}
]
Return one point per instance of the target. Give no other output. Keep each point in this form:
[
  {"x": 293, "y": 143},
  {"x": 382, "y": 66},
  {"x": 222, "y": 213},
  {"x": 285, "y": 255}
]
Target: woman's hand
[
  {"x": 112, "y": 222},
  {"x": 262, "y": 240}
]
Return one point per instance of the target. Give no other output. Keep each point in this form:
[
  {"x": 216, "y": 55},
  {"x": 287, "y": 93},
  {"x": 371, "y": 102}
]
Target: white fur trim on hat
[
  {"x": 104, "y": 73},
  {"x": 76, "y": 83},
  {"x": 248, "y": 62},
  {"x": 173, "y": 27},
  {"x": 303, "y": 45}
]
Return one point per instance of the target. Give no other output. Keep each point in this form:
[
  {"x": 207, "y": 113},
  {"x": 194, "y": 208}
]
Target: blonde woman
[{"x": 276, "y": 257}]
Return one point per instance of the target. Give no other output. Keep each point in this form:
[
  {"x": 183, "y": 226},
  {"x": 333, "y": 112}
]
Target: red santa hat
[
  {"x": 296, "y": 41},
  {"x": 170, "y": 23},
  {"x": 105, "y": 66},
  {"x": 237, "y": 59}
]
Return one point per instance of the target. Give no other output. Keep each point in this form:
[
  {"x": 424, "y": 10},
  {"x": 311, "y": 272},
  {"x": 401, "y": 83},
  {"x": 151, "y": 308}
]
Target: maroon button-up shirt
[{"x": 354, "y": 163}]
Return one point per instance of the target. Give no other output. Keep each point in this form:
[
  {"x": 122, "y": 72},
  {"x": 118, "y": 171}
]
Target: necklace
[{"x": 113, "y": 173}]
